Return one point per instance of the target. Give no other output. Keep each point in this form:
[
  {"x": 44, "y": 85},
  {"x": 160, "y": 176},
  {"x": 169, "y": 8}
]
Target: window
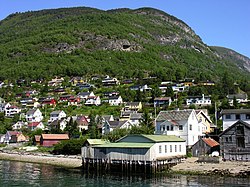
[
  {"x": 240, "y": 130},
  {"x": 179, "y": 148},
  {"x": 190, "y": 127},
  {"x": 159, "y": 148},
  {"x": 170, "y": 148},
  {"x": 237, "y": 116},
  {"x": 163, "y": 128},
  {"x": 167, "y": 128},
  {"x": 247, "y": 116},
  {"x": 172, "y": 127},
  {"x": 228, "y": 116},
  {"x": 240, "y": 142},
  {"x": 180, "y": 127},
  {"x": 230, "y": 139},
  {"x": 175, "y": 148},
  {"x": 226, "y": 139},
  {"x": 166, "y": 148}
]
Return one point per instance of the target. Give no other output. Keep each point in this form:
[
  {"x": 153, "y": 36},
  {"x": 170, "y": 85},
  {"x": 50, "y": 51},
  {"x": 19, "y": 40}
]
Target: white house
[
  {"x": 85, "y": 95},
  {"x": 4, "y": 106},
  {"x": 34, "y": 115},
  {"x": 135, "y": 118},
  {"x": 231, "y": 116},
  {"x": 109, "y": 126},
  {"x": 93, "y": 101},
  {"x": 181, "y": 123},
  {"x": 178, "y": 87},
  {"x": 115, "y": 100},
  {"x": 62, "y": 124},
  {"x": 18, "y": 125},
  {"x": 57, "y": 115},
  {"x": 199, "y": 100},
  {"x": 12, "y": 110},
  {"x": 240, "y": 98}
]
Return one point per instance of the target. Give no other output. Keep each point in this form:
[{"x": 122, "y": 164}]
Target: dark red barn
[{"x": 48, "y": 140}]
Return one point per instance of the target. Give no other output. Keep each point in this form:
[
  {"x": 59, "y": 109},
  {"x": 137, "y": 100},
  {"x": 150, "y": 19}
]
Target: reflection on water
[{"x": 28, "y": 174}]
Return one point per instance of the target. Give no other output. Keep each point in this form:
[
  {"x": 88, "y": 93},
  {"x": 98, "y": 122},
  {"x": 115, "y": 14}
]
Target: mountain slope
[{"x": 122, "y": 42}]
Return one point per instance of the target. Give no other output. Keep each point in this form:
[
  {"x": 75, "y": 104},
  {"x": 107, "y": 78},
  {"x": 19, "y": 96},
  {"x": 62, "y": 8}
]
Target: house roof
[
  {"x": 162, "y": 98},
  {"x": 125, "y": 145},
  {"x": 55, "y": 136},
  {"x": 31, "y": 111},
  {"x": 33, "y": 124},
  {"x": 247, "y": 125},
  {"x": 132, "y": 103},
  {"x": 116, "y": 124},
  {"x": 237, "y": 96},
  {"x": 235, "y": 111},
  {"x": 210, "y": 142},
  {"x": 175, "y": 115},
  {"x": 12, "y": 133},
  {"x": 96, "y": 141},
  {"x": 134, "y": 116},
  {"x": 155, "y": 138},
  {"x": 57, "y": 112}
]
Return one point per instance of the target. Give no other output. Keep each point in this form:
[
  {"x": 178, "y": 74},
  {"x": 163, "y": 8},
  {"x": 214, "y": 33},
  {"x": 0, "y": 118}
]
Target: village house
[
  {"x": 19, "y": 125},
  {"x": 82, "y": 123},
  {"x": 135, "y": 118},
  {"x": 162, "y": 101},
  {"x": 115, "y": 100},
  {"x": 199, "y": 101},
  {"x": 110, "y": 81},
  {"x": 61, "y": 123},
  {"x": 178, "y": 87},
  {"x": 36, "y": 125},
  {"x": 34, "y": 115},
  {"x": 14, "y": 137},
  {"x": 165, "y": 85},
  {"x": 57, "y": 115},
  {"x": 95, "y": 100},
  {"x": 4, "y": 106},
  {"x": 24, "y": 101},
  {"x": 181, "y": 123},
  {"x": 85, "y": 95},
  {"x": 231, "y": 116},
  {"x": 109, "y": 126},
  {"x": 56, "y": 81},
  {"x": 205, "y": 146},
  {"x": 241, "y": 98},
  {"x": 141, "y": 88},
  {"x": 2, "y": 138},
  {"x": 146, "y": 151},
  {"x": 74, "y": 101},
  {"x": 234, "y": 142},
  {"x": 204, "y": 119},
  {"x": 133, "y": 106},
  {"x": 11, "y": 111},
  {"x": 48, "y": 140},
  {"x": 48, "y": 101}
]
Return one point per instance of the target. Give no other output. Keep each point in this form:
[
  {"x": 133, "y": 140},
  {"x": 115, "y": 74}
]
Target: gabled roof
[
  {"x": 237, "y": 96},
  {"x": 33, "y": 124},
  {"x": 116, "y": 124},
  {"x": 55, "y": 136},
  {"x": 154, "y": 138},
  {"x": 247, "y": 125},
  {"x": 162, "y": 98},
  {"x": 126, "y": 145},
  {"x": 37, "y": 138},
  {"x": 31, "y": 111},
  {"x": 12, "y": 133},
  {"x": 175, "y": 115},
  {"x": 210, "y": 142},
  {"x": 136, "y": 116},
  {"x": 57, "y": 112},
  {"x": 235, "y": 111}
]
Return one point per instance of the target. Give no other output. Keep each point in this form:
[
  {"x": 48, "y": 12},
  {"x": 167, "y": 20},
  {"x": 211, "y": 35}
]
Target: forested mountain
[{"x": 124, "y": 43}]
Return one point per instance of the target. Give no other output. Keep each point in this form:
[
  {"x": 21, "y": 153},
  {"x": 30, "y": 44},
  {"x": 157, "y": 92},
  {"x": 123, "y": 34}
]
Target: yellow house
[
  {"x": 133, "y": 106},
  {"x": 202, "y": 116}
]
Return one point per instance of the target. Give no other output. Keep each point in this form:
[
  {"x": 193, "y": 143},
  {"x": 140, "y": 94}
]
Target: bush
[{"x": 69, "y": 147}]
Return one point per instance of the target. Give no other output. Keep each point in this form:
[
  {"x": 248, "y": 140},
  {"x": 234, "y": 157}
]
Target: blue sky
[{"x": 223, "y": 23}]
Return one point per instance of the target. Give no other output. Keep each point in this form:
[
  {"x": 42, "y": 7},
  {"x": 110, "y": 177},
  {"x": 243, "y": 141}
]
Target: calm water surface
[{"x": 28, "y": 174}]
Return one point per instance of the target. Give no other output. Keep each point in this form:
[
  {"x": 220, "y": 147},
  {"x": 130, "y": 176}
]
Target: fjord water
[{"x": 29, "y": 174}]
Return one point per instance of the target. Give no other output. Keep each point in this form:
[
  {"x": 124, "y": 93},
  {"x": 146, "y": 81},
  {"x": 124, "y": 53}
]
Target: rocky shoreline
[{"x": 223, "y": 168}]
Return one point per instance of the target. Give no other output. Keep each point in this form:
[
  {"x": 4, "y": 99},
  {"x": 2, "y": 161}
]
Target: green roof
[
  {"x": 164, "y": 138},
  {"x": 126, "y": 145},
  {"x": 96, "y": 141}
]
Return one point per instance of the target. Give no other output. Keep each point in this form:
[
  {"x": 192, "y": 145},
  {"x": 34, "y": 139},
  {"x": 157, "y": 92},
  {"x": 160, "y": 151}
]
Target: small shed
[
  {"x": 48, "y": 140},
  {"x": 205, "y": 146}
]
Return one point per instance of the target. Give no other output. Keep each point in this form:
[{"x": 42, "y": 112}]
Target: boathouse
[{"x": 145, "y": 153}]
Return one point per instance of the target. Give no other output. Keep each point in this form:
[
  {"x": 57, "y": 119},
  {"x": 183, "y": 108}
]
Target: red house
[
  {"x": 49, "y": 101},
  {"x": 48, "y": 140}
]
